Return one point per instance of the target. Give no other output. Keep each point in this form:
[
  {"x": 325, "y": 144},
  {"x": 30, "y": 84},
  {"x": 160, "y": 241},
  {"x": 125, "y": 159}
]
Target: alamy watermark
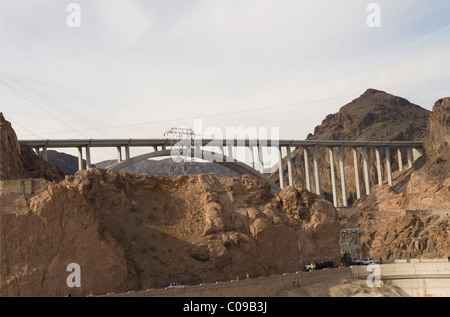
[
  {"x": 73, "y": 20},
  {"x": 74, "y": 278},
  {"x": 374, "y": 278},
  {"x": 249, "y": 144},
  {"x": 374, "y": 18}
]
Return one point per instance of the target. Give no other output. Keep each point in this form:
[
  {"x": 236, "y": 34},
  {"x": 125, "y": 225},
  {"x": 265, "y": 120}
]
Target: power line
[
  {"x": 38, "y": 106},
  {"x": 207, "y": 116}
]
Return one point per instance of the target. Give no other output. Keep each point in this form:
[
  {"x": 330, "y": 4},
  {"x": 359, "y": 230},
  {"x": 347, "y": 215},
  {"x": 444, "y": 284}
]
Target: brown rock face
[
  {"x": 388, "y": 235},
  {"x": 36, "y": 167},
  {"x": 149, "y": 231},
  {"x": 10, "y": 159},
  {"x": 41, "y": 235},
  {"x": 135, "y": 232},
  {"x": 427, "y": 184},
  {"x": 376, "y": 116},
  {"x": 437, "y": 137},
  {"x": 437, "y": 142},
  {"x": 19, "y": 161},
  {"x": 204, "y": 228}
]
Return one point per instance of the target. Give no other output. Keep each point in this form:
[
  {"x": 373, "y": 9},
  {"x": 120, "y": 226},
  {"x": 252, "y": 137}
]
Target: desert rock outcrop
[
  {"x": 135, "y": 231},
  {"x": 426, "y": 186},
  {"x": 19, "y": 160},
  {"x": 376, "y": 116}
]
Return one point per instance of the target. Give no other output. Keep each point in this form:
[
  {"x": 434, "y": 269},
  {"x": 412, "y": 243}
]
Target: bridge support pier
[
  {"x": 409, "y": 155},
  {"x": 119, "y": 154},
  {"x": 355, "y": 165},
  {"x": 366, "y": 170},
  {"x": 289, "y": 162},
  {"x": 333, "y": 177},
  {"x": 260, "y": 160},
  {"x": 280, "y": 167},
  {"x": 341, "y": 168},
  {"x": 44, "y": 153},
  {"x": 388, "y": 165},
  {"x": 88, "y": 157},
  {"x": 379, "y": 172},
  {"x": 252, "y": 157},
  {"x": 316, "y": 170},
  {"x": 230, "y": 150},
  {"x": 80, "y": 158},
  {"x": 399, "y": 158},
  {"x": 307, "y": 170}
]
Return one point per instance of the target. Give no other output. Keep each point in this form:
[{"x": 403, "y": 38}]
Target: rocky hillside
[
  {"x": 375, "y": 115},
  {"x": 427, "y": 184},
  {"x": 138, "y": 231},
  {"x": 66, "y": 162},
  {"x": 20, "y": 161},
  {"x": 11, "y": 166},
  {"x": 396, "y": 235}
]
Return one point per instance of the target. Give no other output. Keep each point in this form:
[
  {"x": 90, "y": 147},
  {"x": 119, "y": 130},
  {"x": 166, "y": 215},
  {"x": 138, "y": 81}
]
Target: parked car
[
  {"x": 175, "y": 285},
  {"x": 368, "y": 261},
  {"x": 356, "y": 261}
]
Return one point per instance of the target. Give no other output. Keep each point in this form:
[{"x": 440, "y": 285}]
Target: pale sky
[{"x": 136, "y": 68}]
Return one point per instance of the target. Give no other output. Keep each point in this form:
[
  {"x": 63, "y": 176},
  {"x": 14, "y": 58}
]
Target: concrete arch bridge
[{"x": 224, "y": 152}]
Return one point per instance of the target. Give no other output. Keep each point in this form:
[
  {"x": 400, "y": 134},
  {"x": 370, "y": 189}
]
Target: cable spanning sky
[{"x": 136, "y": 68}]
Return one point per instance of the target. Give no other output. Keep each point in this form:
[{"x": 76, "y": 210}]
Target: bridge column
[
  {"x": 119, "y": 154},
  {"x": 379, "y": 172},
  {"x": 36, "y": 150},
  {"x": 307, "y": 171},
  {"x": 44, "y": 153},
  {"x": 355, "y": 165},
  {"x": 80, "y": 158},
  {"x": 88, "y": 157},
  {"x": 230, "y": 150},
  {"x": 399, "y": 157},
  {"x": 280, "y": 167},
  {"x": 388, "y": 165},
  {"x": 366, "y": 170},
  {"x": 260, "y": 160},
  {"x": 333, "y": 178},
  {"x": 289, "y": 161},
  {"x": 127, "y": 152},
  {"x": 252, "y": 157},
  {"x": 409, "y": 155},
  {"x": 341, "y": 168},
  {"x": 316, "y": 170}
]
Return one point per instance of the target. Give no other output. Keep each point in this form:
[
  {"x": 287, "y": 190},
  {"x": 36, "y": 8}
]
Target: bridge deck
[{"x": 60, "y": 143}]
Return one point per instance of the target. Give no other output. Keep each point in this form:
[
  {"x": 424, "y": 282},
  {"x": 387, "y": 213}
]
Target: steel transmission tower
[
  {"x": 182, "y": 151},
  {"x": 349, "y": 241}
]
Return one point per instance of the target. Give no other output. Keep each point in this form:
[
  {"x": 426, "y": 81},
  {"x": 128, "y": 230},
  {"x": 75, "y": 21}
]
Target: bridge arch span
[{"x": 229, "y": 162}]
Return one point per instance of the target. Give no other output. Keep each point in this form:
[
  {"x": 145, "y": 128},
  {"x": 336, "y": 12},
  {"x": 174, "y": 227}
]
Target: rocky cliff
[
  {"x": 135, "y": 231},
  {"x": 427, "y": 184},
  {"x": 10, "y": 159},
  {"x": 375, "y": 115},
  {"x": 400, "y": 235},
  {"x": 19, "y": 161}
]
